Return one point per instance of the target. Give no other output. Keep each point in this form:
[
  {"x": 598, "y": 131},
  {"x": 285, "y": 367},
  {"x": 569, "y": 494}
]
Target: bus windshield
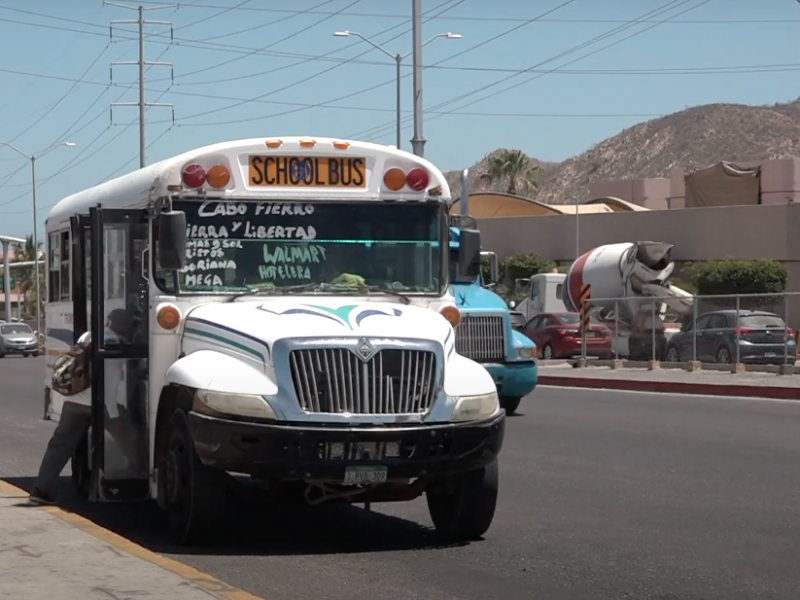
[{"x": 315, "y": 247}]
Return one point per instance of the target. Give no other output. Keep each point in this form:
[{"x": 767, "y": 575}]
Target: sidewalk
[
  {"x": 48, "y": 553},
  {"x": 675, "y": 381}
]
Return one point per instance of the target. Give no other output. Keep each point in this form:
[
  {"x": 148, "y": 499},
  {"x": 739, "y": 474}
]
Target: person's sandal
[{"x": 38, "y": 496}]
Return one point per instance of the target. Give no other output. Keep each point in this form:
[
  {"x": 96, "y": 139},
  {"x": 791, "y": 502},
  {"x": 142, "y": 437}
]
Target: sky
[{"x": 550, "y": 77}]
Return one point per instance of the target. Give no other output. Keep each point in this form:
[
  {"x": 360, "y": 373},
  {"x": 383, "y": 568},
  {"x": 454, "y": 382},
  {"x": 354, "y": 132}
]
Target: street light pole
[
  {"x": 398, "y": 58},
  {"x": 32, "y": 159},
  {"x": 418, "y": 141}
]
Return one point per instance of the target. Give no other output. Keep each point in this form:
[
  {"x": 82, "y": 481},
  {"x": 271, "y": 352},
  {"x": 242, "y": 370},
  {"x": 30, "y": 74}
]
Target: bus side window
[
  {"x": 53, "y": 268},
  {"x": 64, "y": 275}
]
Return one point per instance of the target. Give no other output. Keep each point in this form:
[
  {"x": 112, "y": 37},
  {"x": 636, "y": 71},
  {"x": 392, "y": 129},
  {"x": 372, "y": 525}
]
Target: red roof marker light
[
  {"x": 418, "y": 179},
  {"x": 194, "y": 176}
]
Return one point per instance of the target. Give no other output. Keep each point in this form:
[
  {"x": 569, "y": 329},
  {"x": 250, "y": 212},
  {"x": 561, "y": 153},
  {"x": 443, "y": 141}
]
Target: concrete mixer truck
[{"x": 629, "y": 291}]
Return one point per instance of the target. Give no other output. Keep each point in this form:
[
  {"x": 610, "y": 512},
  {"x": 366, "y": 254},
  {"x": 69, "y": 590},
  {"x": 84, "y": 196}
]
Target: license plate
[
  {"x": 308, "y": 172},
  {"x": 361, "y": 475},
  {"x": 589, "y": 334},
  {"x": 769, "y": 355}
]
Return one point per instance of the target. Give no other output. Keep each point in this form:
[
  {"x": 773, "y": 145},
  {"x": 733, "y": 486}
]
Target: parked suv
[{"x": 763, "y": 338}]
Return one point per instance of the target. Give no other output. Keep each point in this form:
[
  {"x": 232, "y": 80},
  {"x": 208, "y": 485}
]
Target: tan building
[
  {"x": 722, "y": 184},
  {"x": 491, "y": 205}
]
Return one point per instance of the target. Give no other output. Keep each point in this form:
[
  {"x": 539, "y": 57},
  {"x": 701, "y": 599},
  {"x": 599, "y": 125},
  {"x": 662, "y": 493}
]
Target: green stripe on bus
[{"x": 219, "y": 338}]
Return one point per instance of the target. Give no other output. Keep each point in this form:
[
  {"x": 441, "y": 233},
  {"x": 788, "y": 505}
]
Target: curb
[
  {"x": 700, "y": 389},
  {"x": 212, "y": 586}
]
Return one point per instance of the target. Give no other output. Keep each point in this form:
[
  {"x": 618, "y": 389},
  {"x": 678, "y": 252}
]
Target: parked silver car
[
  {"x": 763, "y": 338},
  {"x": 18, "y": 338}
]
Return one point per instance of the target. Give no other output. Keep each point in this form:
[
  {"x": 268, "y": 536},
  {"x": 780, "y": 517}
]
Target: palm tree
[
  {"x": 26, "y": 275},
  {"x": 516, "y": 168}
]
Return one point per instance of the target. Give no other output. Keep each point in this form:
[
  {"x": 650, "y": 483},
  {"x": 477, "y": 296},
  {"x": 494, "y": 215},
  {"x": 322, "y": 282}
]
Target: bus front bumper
[{"x": 322, "y": 453}]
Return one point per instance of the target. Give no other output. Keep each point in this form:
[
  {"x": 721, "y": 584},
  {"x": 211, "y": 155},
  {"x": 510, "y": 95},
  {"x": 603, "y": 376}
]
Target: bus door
[
  {"x": 118, "y": 323},
  {"x": 80, "y": 227}
]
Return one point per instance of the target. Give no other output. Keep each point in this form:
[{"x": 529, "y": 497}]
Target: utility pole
[
  {"x": 418, "y": 141},
  {"x": 141, "y": 63}
]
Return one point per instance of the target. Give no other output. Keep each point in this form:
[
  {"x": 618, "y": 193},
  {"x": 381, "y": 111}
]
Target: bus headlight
[
  {"x": 472, "y": 408},
  {"x": 241, "y": 405}
]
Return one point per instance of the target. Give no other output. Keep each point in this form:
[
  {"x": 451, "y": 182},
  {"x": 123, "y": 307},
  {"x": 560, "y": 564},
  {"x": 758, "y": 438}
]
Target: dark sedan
[{"x": 763, "y": 338}]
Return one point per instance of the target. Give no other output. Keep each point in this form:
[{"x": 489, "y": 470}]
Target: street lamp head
[
  {"x": 342, "y": 34},
  {"x": 70, "y": 144},
  {"x": 458, "y": 36}
]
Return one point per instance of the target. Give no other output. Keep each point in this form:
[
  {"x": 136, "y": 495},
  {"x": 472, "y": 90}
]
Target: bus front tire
[
  {"x": 510, "y": 404},
  {"x": 463, "y": 507},
  {"x": 195, "y": 494}
]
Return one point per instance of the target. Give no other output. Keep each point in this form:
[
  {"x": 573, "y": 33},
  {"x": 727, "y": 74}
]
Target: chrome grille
[
  {"x": 335, "y": 380},
  {"x": 481, "y": 339}
]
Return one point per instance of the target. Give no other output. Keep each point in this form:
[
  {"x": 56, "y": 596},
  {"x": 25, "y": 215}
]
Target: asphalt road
[{"x": 604, "y": 495}]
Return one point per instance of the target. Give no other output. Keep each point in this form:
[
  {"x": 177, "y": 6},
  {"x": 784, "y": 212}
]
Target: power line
[
  {"x": 604, "y": 72},
  {"x": 74, "y": 161},
  {"x": 11, "y": 175},
  {"x": 705, "y": 70},
  {"x": 268, "y": 23},
  {"x": 672, "y": 4},
  {"x": 494, "y": 19},
  {"x": 225, "y": 9},
  {"x": 607, "y": 46},
  {"x": 270, "y": 45},
  {"x": 304, "y": 80},
  {"x": 63, "y": 97}
]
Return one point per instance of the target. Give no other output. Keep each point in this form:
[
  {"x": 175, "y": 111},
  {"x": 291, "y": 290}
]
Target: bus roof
[{"x": 162, "y": 178}]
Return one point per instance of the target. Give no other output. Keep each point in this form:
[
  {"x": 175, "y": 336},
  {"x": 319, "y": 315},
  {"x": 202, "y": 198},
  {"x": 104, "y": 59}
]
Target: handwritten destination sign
[{"x": 233, "y": 244}]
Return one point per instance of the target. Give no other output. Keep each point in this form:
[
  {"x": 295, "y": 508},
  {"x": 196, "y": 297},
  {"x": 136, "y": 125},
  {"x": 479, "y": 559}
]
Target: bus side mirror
[
  {"x": 172, "y": 240},
  {"x": 469, "y": 253}
]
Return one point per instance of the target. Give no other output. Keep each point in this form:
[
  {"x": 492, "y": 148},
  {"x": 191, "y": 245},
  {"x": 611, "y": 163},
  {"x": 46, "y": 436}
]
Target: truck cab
[{"x": 485, "y": 333}]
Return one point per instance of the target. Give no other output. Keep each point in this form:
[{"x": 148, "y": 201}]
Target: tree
[
  {"x": 759, "y": 276},
  {"x": 26, "y": 275},
  {"x": 514, "y": 167}
]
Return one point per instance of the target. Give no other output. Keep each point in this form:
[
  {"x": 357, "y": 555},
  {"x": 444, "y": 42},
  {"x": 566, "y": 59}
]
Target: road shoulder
[{"x": 49, "y": 552}]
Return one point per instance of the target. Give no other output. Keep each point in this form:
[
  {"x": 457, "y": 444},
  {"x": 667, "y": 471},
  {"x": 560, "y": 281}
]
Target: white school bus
[{"x": 281, "y": 319}]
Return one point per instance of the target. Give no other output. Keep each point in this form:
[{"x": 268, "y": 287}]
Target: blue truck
[{"x": 485, "y": 333}]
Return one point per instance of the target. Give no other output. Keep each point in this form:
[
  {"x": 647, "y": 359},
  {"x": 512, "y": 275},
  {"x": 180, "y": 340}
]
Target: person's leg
[{"x": 72, "y": 427}]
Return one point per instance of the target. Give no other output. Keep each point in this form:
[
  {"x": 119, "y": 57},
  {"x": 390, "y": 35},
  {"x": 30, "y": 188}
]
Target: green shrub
[
  {"x": 520, "y": 266},
  {"x": 759, "y": 276},
  {"x": 486, "y": 271}
]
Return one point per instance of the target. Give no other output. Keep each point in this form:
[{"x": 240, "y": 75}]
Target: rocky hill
[{"x": 695, "y": 137}]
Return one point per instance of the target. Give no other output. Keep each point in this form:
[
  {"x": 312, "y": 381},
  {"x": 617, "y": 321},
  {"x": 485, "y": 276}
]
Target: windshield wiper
[
  {"x": 255, "y": 292},
  {"x": 374, "y": 288},
  {"x": 317, "y": 286}
]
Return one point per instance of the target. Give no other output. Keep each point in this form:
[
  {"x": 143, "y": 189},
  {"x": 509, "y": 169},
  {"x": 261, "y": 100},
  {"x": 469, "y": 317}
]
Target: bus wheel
[
  {"x": 463, "y": 507},
  {"x": 195, "y": 494}
]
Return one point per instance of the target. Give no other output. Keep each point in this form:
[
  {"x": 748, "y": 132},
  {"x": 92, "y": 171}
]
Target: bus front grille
[
  {"x": 336, "y": 380},
  {"x": 481, "y": 339}
]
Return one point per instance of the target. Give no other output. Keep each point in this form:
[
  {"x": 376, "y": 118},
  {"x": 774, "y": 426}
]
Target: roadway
[{"x": 603, "y": 495}]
